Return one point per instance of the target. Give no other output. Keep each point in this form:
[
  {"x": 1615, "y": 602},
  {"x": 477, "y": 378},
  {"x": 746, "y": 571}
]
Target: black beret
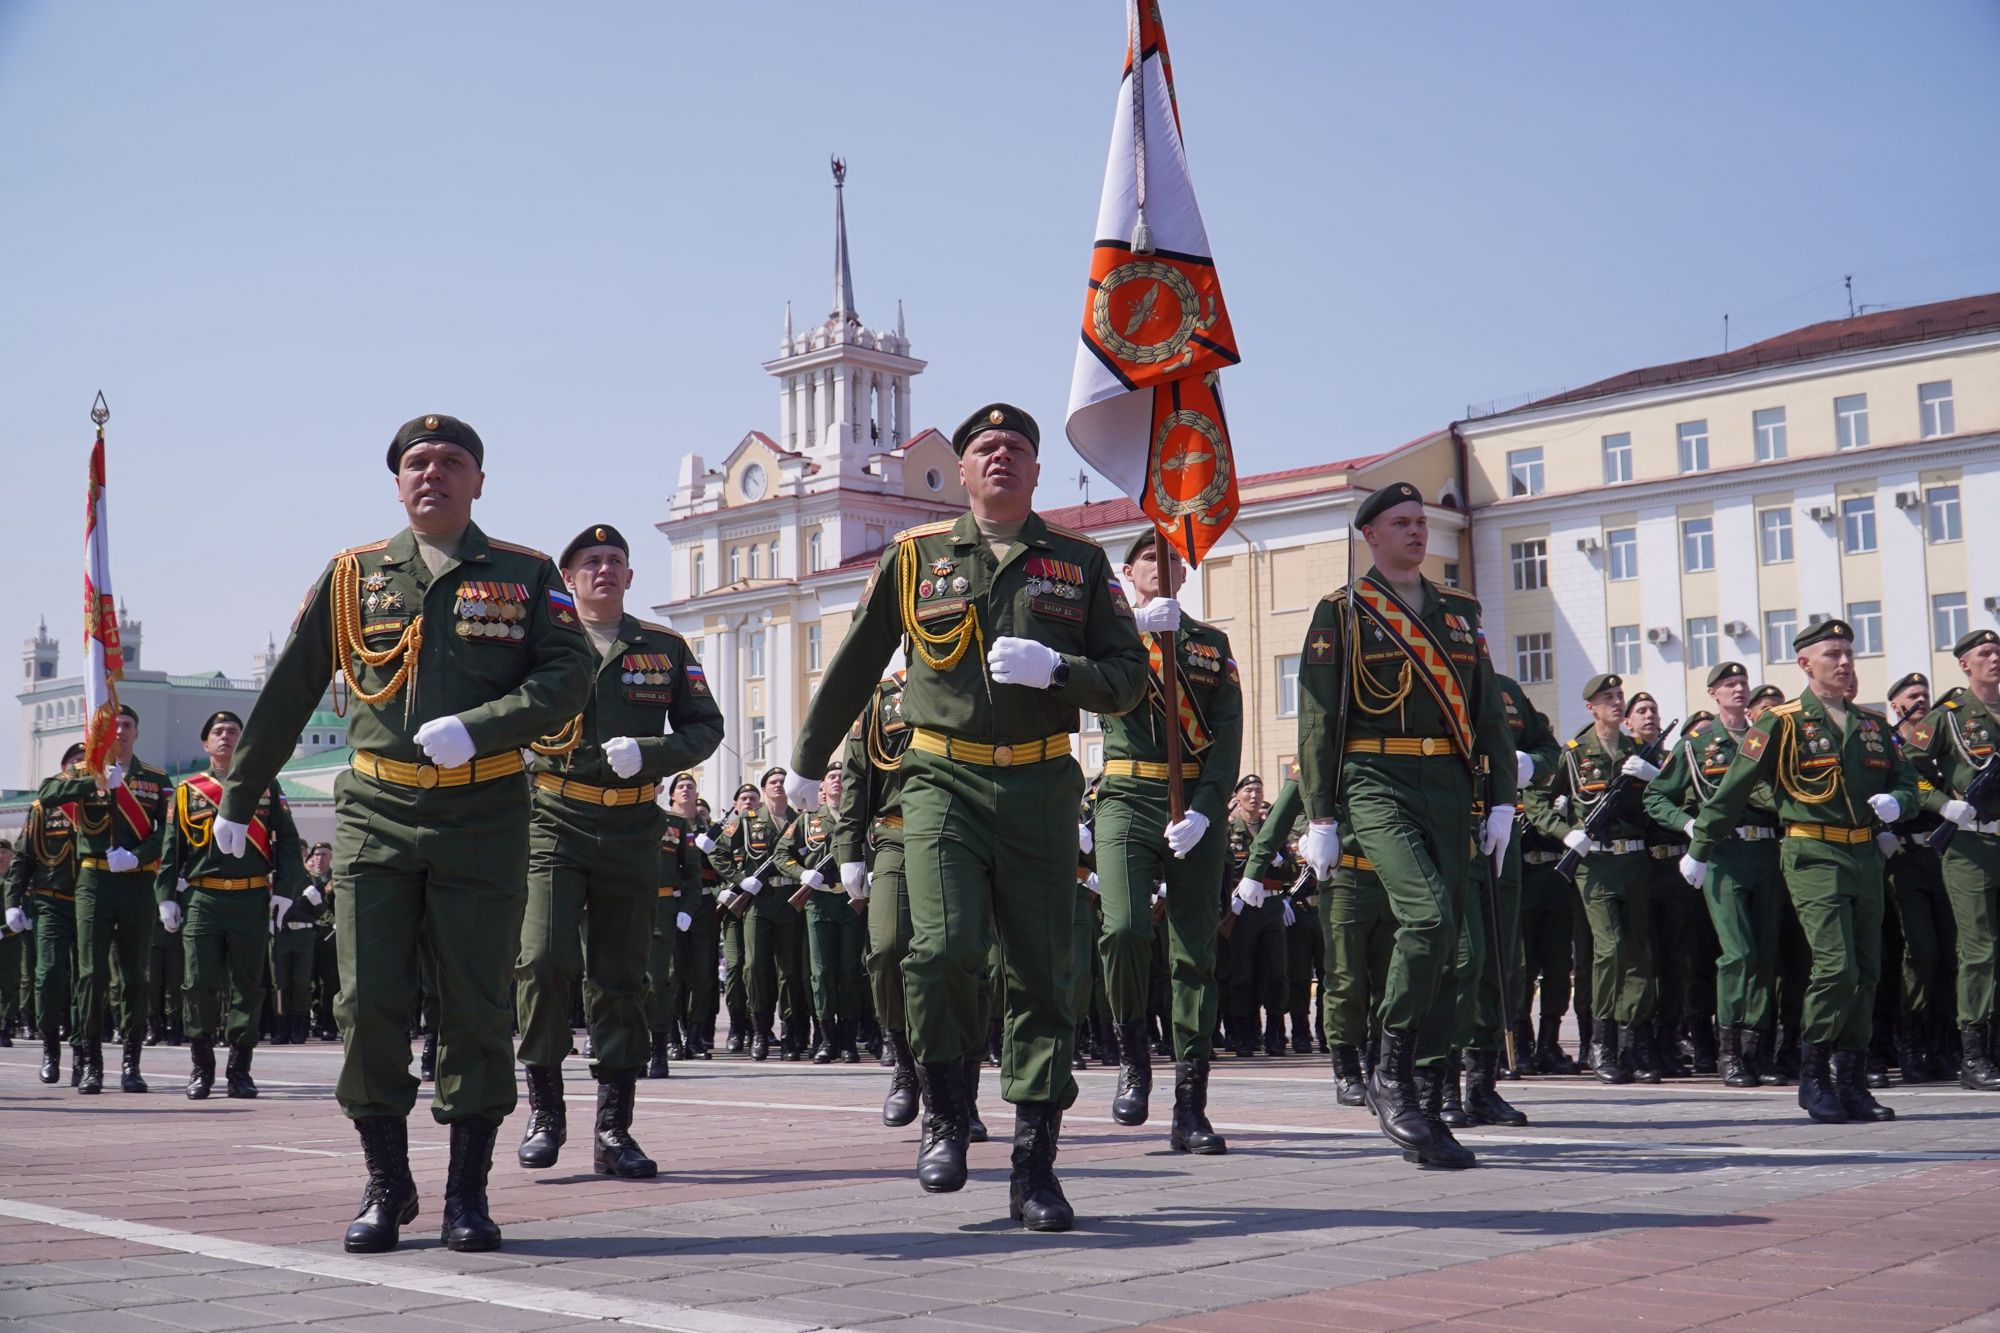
[
  {"x": 1395, "y": 493},
  {"x": 598, "y": 534},
  {"x": 72, "y": 754},
  {"x": 1599, "y": 683},
  {"x": 126, "y": 710},
  {"x": 1143, "y": 540},
  {"x": 1914, "y": 678},
  {"x": 221, "y": 715},
  {"x": 1247, "y": 779},
  {"x": 1973, "y": 640},
  {"x": 765, "y": 776},
  {"x": 997, "y": 416},
  {"x": 6, "y": 845},
  {"x": 1726, "y": 671},
  {"x": 679, "y": 778},
  {"x": 750, "y": 787},
  {"x": 436, "y": 426},
  {"x": 1826, "y": 629},
  {"x": 1640, "y": 698},
  {"x": 1766, "y": 692},
  {"x": 319, "y": 847}
]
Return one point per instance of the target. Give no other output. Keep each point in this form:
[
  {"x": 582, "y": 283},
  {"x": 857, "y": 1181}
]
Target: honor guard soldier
[
  {"x": 722, "y": 846},
  {"x": 41, "y": 898},
  {"x": 459, "y": 651},
  {"x": 326, "y": 967},
  {"x": 1836, "y": 773},
  {"x": 678, "y": 898},
  {"x": 834, "y": 931},
  {"x": 1925, "y": 1039},
  {"x": 1139, "y": 844},
  {"x": 594, "y": 855},
  {"x": 1012, "y": 626},
  {"x": 14, "y": 946},
  {"x": 750, "y": 845},
  {"x": 1956, "y": 742},
  {"x": 1397, "y": 709},
  {"x": 225, "y": 924},
  {"x": 119, "y": 827}
]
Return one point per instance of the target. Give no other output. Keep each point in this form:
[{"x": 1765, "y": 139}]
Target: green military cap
[
  {"x": 72, "y": 754},
  {"x": 678, "y": 779},
  {"x": 750, "y": 787},
  {"x": 127, "y": 710},
  {"x": 319, "y": 847},
  {"x": 1395, "y": 493},
  {"x": 1599, "y": 683},
  {"x": 6, "y": 845},
  {"x": 778, "y": 769},
  {"x": 436, "y": 426},
  {"x": 598, "y": 534},
  {"x": 1973, "y": 640},
  {"x": 1763, "y": 692},
  {"x": 1826, "y": 629},
  {"x": 997, "y": 416},
  {"x": 220, "y": 715},
  {"x": 1247, "y": 779},
  {"x": 1726, "y": 671},
  {"x": 1914, "y": 678},
  {"x": 1140, "y": 543},
  {"x": 1640, "y": 698}
]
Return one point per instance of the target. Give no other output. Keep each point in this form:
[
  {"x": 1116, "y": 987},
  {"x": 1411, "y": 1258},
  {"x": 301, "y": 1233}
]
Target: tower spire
[{"x": 843, "y": 278}]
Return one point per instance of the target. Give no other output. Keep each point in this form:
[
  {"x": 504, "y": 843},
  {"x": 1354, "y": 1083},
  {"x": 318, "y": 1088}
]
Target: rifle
[
  {"x": 1976, "y": 792},
  {"x": 1611, "y": 806},
  {"x": 1498, "y": 942}
]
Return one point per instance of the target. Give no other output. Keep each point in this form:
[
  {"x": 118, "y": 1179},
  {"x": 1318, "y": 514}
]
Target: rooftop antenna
[
  {"x": 1850, "y": 296},
  {"x": 1725, "y": 330},
  {"x": 1083, "y": 484}
]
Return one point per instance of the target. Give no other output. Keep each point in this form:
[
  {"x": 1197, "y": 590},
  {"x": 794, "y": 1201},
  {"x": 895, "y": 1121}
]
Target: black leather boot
[
  {"x": 1786, "y": 1057},
  {"x": 676, "y": 1048},
  {"x": 128, "y": 1068},
  {"x": 1243, "y": 1036},
  {"x": 1976, "y": 1070},
  {"x": 1523, "y": 1063},
  {"x": 941, "y": 1147},
  {"x": 282, "y": 1036},
  {"x": 90, "y": 1067},
  {"x": 548, "y": 1118},
  {"x": 389, "y": 1201},
  {"x": 899, "y": 1108},
  {"x": 466, "y": 1224},
  {"x": 1775, "y": 1069},
  {"x": 1348, "y": 1086},
  {"x": 1483, "y": 1101},
  {"x": 975, "y": 1128},
  {"x": 201, "y": 1069},
  {"x": 1034, "y": 1195},
  {"x": 827, "y": 1050},
  {"x": 51, "y": 1071},
  {"x": 1392, "y": 1092},
  {"x": 1850, "y": 1085},
  {"x": 1817, "y": 1096},
  {"x": 1606, "y": 1039},
  {"x": 656, "y": 1066},
  {"x": 1875, "y": 1070},
  {"x": 427, "y": 1059},
  {"x": 1191, "y": 1131},
  {"x": 1131, "y": 1104},
  {"x": 1550, "y": 1057},
  {"x": 1274, "y": 1034},
  {"x": 1586, "y": 1044},
  {"x": 850, "y": 1051},
  {"x": 1701, "y": 1045},
  {"x": 1635, "y": 1052},
  {"x": 236, "y": 1074},
  {"x": 739, "y": 1032},
  {"x": 1445, "y": 1152},
  {"x": 1912, "y": 1059},
  {"x": 1451, "y": 1094},
  {"x": 616, "y": 1154},
  {"x": 760, "y": 1040},
  {"x": 1735, "y": 1073}
]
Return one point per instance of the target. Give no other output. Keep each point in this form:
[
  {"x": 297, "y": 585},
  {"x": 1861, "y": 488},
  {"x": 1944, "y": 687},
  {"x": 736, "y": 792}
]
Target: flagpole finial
[{"x": 100, "y": 411}]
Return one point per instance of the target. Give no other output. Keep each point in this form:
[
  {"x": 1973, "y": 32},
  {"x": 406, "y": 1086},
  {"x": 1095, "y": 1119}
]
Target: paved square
[{"x": 783, "y": 1203}]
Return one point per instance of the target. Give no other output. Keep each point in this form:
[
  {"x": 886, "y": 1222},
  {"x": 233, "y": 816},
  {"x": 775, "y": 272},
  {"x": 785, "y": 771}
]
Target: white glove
[
  {"x": 1277, "y": 858},
  {"x": 170, "y": 916},
  {"x": 1159, "y": 616},
  {"x": 812, "y": 879},
  {"x": 17, "y": 921},
  {"x": 1289, "y": 918},
  {"x": 121, "y": 861},
  {"x": 801, "y": 791},
  {"x": 180, "y": 886},
  {"x": 314, "y": 896},
  {"x": 1022, "y": 662},
  {"x": 446, "y": 741},
  {"x": 1236, "y": 906},
  {"x": 1578, "y": 841},
  {"x": 1886, "y": 807},
  {"x": 1687, "y": 826},
  {"x": 1959, "y": 812},
  {"x": 281, "y": 907},
  {"x": 1186, "y": 831},
  {"x": 1499, "y": 830},
  {"x": 683, "y": 922},
  {"x": 1524, "y": 768},
  {"x": 1560, "y": 805},
  {"x": 1693, "y": 871},
  {"x": 1249, "y": 892},
  {"x": 1635, "y": 766},
  {"x": 704, "y": 842},
  {"x": 622, "y": 753},
  {"x": 1321, "y": 846},
  {"x": 114, "y": 776},
  {"x": 854, "y": 878},
  {"x": 1888, "y": 843},
  {"x": 751, "y": 885},
  {"x": 1090, "y": 881},
  {"x": 1086, "y": 842}
]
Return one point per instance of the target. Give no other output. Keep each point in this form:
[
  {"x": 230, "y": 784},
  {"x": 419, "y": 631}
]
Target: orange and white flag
[
  {"x": 1144, "y": 406},
  {"x": 104, "y": 666}
]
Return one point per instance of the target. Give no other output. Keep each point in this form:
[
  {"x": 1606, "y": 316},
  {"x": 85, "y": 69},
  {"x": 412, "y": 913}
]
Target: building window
[
  {"x": 814, "y": 549},
  {"x": 1618, "y": 457},
  {"x": 697, "y": 574},
  {"x": 1774, "y": 535},
  {"x": 1621, "y": 553},
  {"x": 812, "y": 646},
  {"x": 774, "y": 559},
  {"x": 753, "y": 654},
  {"x": 1934, "y": 414},
  {"x": 735, "y": 564},
  {"x": 1779, "y": 627},
  {"x": 1451, "y": 573},
  {"x": 934, "y": 479},
  {"x": 1941, "y": 514},
  {"x": 1850, "y": 421},
  {"x": 1534, "y": 658},
  {"x": 1531, "y": 565},
  {"x": 1701, "y": 642},
  {"x": 1288, "y": 686},
  {"x": 1769, "y": 425},
  {"x": 1625, "y": 649},
  {"x": 1948, "y": 620},
  {"x": 756, "y": 561},
  {"x": 1857, "y": 524},
  {"x": 1524, "y": 472},
  {"x": 1697, "y": 545},
  {"x": 1866, "y": 619},
  {"x": 755, "y": 750},
  {"x": 1692, "y": 437}
]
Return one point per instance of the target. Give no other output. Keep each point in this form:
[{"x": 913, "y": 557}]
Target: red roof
[{"x": 1883, "y": 328}]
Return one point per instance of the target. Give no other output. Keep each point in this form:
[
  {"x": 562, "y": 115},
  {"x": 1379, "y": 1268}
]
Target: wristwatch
[{"x": 1060, "y": 676}]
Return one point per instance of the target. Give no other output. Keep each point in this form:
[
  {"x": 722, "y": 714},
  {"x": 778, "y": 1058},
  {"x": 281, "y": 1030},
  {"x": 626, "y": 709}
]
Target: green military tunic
[
  {"x": 835, "y": 931},
  {"x": 294, "y": 946},
  {"x": 870, "y": 829},
  {"x": 1252, "y": 972},
  {"x": 1548, "y": 913},
  {"x": 674, "y": 989},
  {"x": 42, "y": 883},
  {"x": 423, "y": 854},
  {"x": 990, "y": 793},
  {"x": 1914, "y": 880},
  {"x": 749, "y": 849},
  {"x": 1953, "y": 742}
]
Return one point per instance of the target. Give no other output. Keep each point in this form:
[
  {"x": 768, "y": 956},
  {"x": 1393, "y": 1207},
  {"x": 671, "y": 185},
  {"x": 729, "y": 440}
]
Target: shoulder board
[
  {"x": 1337, "y": 596},
  {"x": 1862, "y": 711},
  {"x": 1698, "y": 728},
  {"x": 364, "y": 550},
  {"x": 529, "y": 551},
  {"x": 1951, "y": 696},
  {"x": 662, "y": 629},
  {"x": 1921, "y": 733},
  {"x": 1787, "y": 708},
  {"x": 1071, "y": 533},
  {"x": 1459, "y": 593},
  {"x": 1570, "y": 744},
  {"x": 924, "y": 530}
]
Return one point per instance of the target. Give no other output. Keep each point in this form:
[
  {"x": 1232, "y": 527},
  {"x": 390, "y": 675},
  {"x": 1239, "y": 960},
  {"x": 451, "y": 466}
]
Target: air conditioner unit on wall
[
  {"x": 1819, "y": 617},
  {"x": 1659, "y": 634},
  {"x": 1908, "y": 499},
  {"x": 1820, "y": 513},
  {"x": 1735, "y": 629},
  {"x": 1588, "y": 544}
]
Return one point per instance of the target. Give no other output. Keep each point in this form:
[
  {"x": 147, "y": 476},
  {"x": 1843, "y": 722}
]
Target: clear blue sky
[{"x": 271, "y": 233}]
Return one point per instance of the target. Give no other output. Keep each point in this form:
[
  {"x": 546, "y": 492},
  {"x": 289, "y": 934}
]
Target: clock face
[{"x": 753, "y": 482}]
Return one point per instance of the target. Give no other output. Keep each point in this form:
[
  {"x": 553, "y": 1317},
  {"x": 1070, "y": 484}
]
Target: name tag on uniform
[
  {"x": 1056, "y": 609},
  {"x": 938, "y": 609},
  {"x": 649, "y": 694}
]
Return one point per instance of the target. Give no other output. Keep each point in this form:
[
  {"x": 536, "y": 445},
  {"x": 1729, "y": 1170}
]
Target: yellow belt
[
  {"x": 1830, "y": 833},
  {"x": 229, "y": 885},
  {"x": 993, "y": 756},
  {"x": 486, "y": 768},
  {"x": 1143, "y": 768},
  {"x": 99, "y": 863},
  {"x": 589, "y": 795},
  {"x": 889, "y": 821},
  {"x": 1427, "y": 746},
  {"x": 55, "y": 894},
  {"x": 1348, "y": 861},
  {"x": 669, "y": 893}
]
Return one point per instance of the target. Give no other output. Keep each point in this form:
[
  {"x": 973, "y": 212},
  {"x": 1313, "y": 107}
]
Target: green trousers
[
  {"x": 593, "y": 884},
  {"x": 770, "y": 949},
  {"x": 225, "y": 936},
  {"x": 1304, "y": 947},
  {"x": 1360, "y": 942},
  {"x": 1745, "y": 892},
  {"x": 1685, "y": 947},
  {"x": 1256, "y": 949},
  {"x": 1479, "y": 1026},
  {"x": 113, "y": 912},
  {"x": 1548, "y": 905},
  {"x": 1411, "y": 817},
  {"x": 1837, "y": 890},
  {"x": 1086, "y": 991},
  {"x": 55, "y": 965},
  {"x": 835, "y": 934},
  {"x": 735, "y": 991},
  {"x": 1972, "y": 882},
  {"x": 1923, "y": 908},
  {"x": 326, "y": 978},
  {"x": 662, "y": 981},
  {"x": 292, "y": 969},
  {"x": 888, "y": 933},
  {"x": 1616, "y": 899},
  {"x": 993, "y": 849},
  {"x": 1132, "y": 857},
  {"x": 167, "y": 993},
  {"x": 696, "y": 986},
  {"x": 14, "y": 963},
  {"x": 443, "y": 873}
]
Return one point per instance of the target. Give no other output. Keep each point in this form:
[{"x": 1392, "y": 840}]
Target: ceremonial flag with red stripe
[{"x": 104, "y": 664}]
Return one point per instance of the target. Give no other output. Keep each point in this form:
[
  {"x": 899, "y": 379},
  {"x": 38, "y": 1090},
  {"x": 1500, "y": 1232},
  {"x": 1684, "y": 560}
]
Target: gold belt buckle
[
  {"x": 1003, "y": 755},
  {"x": 427, "y": 776},
  {"x": 608, "y": 796},
  {"x": 1429, "y": 747}
]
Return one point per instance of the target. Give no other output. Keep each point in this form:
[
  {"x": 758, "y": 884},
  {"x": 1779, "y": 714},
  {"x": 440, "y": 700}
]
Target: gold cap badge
[
  {"x": 996, "y": 416},
  {"x": 600, "y": 534},
  {"x": 430, "y": 423}
]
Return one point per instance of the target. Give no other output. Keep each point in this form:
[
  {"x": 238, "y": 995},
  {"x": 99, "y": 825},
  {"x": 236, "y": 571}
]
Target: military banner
[
  {"x": 1144, "y": 407},
  {"x": 104, "y": 664}
]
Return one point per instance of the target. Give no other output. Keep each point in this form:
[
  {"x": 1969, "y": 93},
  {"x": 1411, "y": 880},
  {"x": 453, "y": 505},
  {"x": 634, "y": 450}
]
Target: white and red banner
[
  {"x": 1144, "y": 407},
  {"x": 104, "y": 664}
]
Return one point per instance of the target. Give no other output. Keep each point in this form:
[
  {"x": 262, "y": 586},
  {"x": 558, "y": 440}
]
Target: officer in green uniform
[
  {"x": 1836, "y": 771},
  {"x": 672, "y": 970},
  {"x": 459, "y": 651},
  {"x": 295, "y": 927},
  {"x": 1681, "y": 1035},
  {"x": 721, "y": 845},
  {"x": 1780, "y": 1045},
  {"x": 1140, "y": 844},
  {"x": 15, "y": 942},
  {"x": 1744, "y": 885},
  {"x": 594, "y": 855},
  {"x": 834, "y": 928},
  {"x": 1397, "y": 708},
  {"x": 326, "y": 967},
  {"x": 1013, "y": 626},
  {"x": 1548, "y": 906},
  {"x": 1253, "y": 977},
  {"x": 1927, "y": 1012},
  {"x": 696, "y": 989},
  {"x": 119, "y": 825},
  {"x": 750, "y": 845},
  {"x": 41, "y": 898},
  {"x": 869, "y": 831},
  {"x": 1955, "y": 742}
]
